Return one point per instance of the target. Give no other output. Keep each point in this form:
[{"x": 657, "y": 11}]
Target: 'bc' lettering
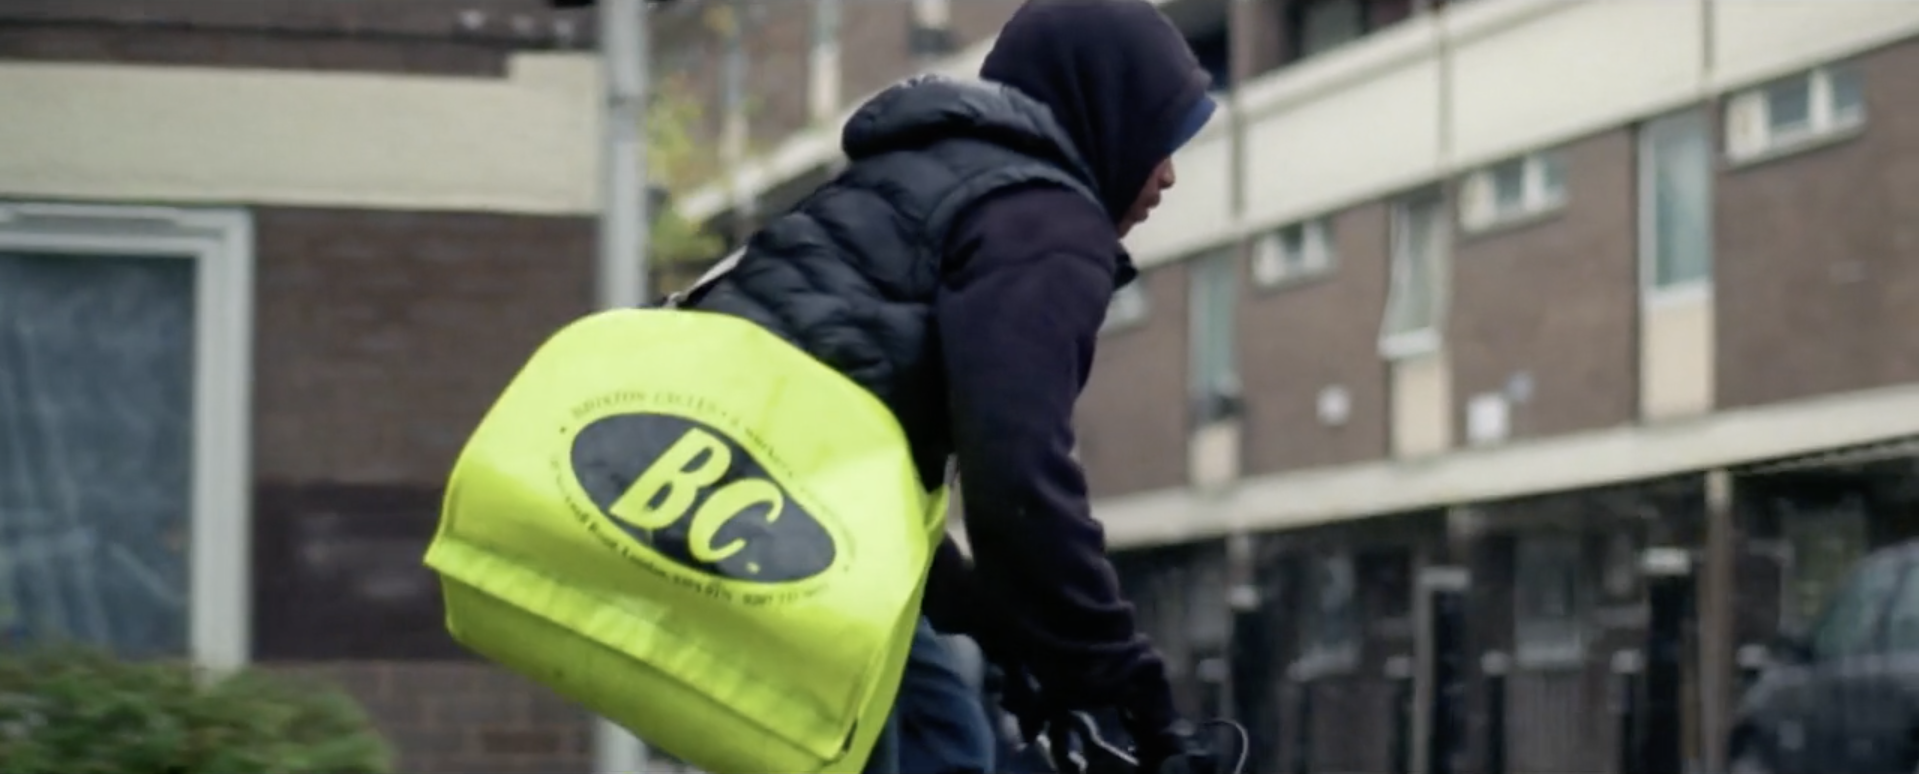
[{"x": 667, "y": 490}]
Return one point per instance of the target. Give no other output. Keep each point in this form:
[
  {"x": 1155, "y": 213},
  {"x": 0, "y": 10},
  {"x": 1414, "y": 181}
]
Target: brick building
[
  {"x": 1518, "y": 287},
  {"x": 299, "y": 248}
]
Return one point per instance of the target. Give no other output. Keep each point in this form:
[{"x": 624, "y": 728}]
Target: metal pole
[
  {"x": 625, "y": 228},
  {"x": 1494, "y": 666},
  {"x": 625, "y": 224},
  {"x": 1717, "y": 623},
  {"x": 1400, "y": 674},
  {"x": 1628, "y": 705}
]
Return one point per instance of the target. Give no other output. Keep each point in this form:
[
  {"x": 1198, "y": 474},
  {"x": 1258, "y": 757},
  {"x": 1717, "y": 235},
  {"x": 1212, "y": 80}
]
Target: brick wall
[
  {"x": 1132, "y": 417},
  {"x": 1302, "y": 337},
  {"x": 1555, "y": 299},
  {"x": 464, "y": 718},
  {"x": 1816, "y": 267},
  {"x": 381, "y": 338}
]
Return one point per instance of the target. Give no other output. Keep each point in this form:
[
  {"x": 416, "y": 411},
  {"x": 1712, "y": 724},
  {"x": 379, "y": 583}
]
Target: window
[
  {"x": 1793, "y": 111},
  {"x": 1329, "y": 638},
  {"x": 1513, "y": 189},
  {"x": 932, "y": 33},
  {"x": 1825, "y": 541},
  {"x": 1128, "y": 307},
  {"x": 1550, "y": 599},
  {"x": 1294, "y": 252},
  {"x": 1675, "y": 201},
  {"x": 1321, "y": 25},
  {"x": 1317, "y": 26},
  {"x": 1208, "y": 621},
  {"x": 1215, "y": 374},
  {"x": 1848, "y": 626},
  {"x": 147, "y": 312},
  {"x": 1902, "y": 622},
  {"x": 1417, "y": 290}
]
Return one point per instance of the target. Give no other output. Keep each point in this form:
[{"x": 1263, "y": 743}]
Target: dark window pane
[
  {"x": 1327, "y": 24},
  {"x": 96, "y": 420},
  {"x": 1848, "y": 94},
  {"x": 1789, "y": 106}
]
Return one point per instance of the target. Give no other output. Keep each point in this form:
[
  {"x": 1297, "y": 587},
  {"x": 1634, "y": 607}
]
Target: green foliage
[
  {"x": 80, "y": 712},
  {"x": 678, "y": 159}
]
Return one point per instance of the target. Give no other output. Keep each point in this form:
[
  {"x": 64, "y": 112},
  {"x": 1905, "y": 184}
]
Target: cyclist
[{"x": 959, "y": 269}]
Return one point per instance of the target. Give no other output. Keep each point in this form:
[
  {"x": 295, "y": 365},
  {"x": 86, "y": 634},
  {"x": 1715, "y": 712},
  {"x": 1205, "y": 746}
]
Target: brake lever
[{"x": 1076, "y": 746}]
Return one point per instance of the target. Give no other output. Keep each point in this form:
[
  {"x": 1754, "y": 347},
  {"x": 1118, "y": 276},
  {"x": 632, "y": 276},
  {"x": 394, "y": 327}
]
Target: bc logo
[{"x": 698, "y": 499}]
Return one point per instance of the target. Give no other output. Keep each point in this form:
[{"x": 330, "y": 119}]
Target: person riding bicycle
[{"x": 959, "y": 269}]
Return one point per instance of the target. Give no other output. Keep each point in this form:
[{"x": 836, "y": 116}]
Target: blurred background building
[{"x": 1485, "y": 295}]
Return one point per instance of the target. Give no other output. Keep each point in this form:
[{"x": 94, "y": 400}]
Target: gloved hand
[
  {"x": 1178, "y": 749},
  {"x": 1020, "y": 696},
  {"x": 1206, "y": 762}
]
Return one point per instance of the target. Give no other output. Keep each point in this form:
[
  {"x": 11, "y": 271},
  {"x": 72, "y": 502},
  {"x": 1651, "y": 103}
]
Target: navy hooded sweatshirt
[{"x": 1027, "y": 281}]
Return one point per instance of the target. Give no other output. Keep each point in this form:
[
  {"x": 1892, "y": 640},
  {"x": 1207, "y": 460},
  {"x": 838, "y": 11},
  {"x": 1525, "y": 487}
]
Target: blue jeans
[{"x": 939, "y": 723}]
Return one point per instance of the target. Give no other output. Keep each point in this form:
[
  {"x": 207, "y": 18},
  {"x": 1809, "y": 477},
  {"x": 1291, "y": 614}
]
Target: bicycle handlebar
[{"x": 1082, "y": 749}]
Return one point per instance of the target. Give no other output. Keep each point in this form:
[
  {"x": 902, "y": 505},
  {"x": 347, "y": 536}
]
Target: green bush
[{"x": 80, "y": 712}]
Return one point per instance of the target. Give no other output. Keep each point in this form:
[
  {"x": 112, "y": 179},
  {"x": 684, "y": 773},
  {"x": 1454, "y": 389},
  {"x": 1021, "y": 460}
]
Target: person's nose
[{"x": 1167, "y": 177}]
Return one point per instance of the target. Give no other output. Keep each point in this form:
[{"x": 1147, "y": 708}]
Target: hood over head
[{"x": 1118, "y": 77}]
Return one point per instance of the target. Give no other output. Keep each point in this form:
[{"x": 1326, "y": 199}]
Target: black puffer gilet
[{"x": 851, "y": 273}]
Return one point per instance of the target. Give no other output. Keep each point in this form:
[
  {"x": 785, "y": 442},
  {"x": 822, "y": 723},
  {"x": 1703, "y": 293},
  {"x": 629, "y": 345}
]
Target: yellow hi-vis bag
[{"x": 699, "y": 532}]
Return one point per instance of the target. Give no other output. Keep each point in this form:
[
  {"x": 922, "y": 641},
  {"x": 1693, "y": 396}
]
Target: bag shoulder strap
[{"x": 693, "y": 292}]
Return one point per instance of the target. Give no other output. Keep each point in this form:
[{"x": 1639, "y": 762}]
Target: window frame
[
  {"x": 1908, "y": 583},
  {"x": 1571, "y": 635},
  {"x": 1651, "y": 289},
  {"x": 929, "y": 29},
  {"x": 1275, "y": 264},
  {"x": 1749, "y": 134},
  {"x": 1396, "y": 343},
  {"x": 1540, "y": 192},
  {"x": 1296, "y": 50},
  {"x": 1319, "y": 654},
  {"x": 1129, "y": 307},
  {"x": 220, "y": 244},
  {"x": 1846, "y": 517},
  {"x": 1876, "y": 613},
  {"x": 1215, "y": 397}
]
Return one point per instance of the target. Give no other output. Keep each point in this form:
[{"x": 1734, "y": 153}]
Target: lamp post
[
  {"x": 625, "y": 228},
  {"x": 626, "y": 209},
  {"x": 620, "y": 279},
  {"x": 625, "y": 216}
]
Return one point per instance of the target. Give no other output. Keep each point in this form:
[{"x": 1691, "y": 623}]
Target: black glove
[
  {"x": 1021, "y": 697},
  {"x": 1193, "y": 763},
  {"x": 1178, "y": 749}
]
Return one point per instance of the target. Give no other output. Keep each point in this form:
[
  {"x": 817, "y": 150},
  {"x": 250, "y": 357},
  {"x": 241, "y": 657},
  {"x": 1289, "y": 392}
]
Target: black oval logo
[{"x": 699, "y": 499}]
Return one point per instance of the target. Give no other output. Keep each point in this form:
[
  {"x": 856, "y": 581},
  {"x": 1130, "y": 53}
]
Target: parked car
[{"x": 1844, "y": 697}]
